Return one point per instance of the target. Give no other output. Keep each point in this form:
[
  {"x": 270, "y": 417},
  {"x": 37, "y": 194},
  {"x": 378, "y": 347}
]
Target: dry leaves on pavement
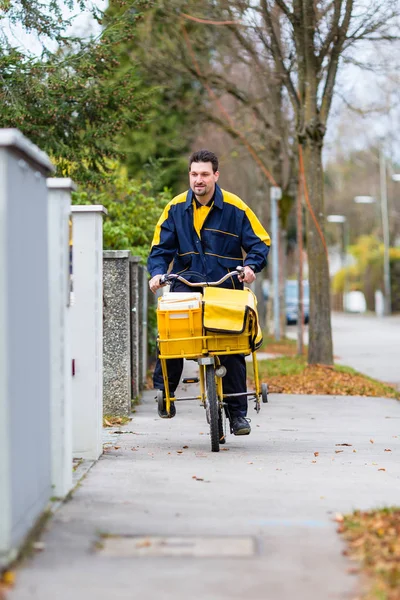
[
  {"x": 321, "y": 380},
  {"x": 373, "y": 539}
]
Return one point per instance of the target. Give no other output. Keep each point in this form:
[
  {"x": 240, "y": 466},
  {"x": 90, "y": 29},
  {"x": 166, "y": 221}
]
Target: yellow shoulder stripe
[
  {"x": 164, "y": 217},
  {"x": 254, "y": 222}
]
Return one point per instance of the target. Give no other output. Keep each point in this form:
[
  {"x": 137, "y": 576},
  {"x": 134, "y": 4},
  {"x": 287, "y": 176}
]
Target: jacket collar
[{"x": 218, "y": 198}]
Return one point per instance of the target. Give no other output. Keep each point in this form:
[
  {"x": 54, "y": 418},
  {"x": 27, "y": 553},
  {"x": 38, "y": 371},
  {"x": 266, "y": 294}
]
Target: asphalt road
[{"x": 367, "y": 343}]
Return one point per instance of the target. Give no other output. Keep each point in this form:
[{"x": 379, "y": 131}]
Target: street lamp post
[
  {"x": 385, "y": 230},
  {"x": 343, "y": 221},
  {"x": 275, "y": 196}
]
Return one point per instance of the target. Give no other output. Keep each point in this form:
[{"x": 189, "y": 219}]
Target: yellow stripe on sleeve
[
  {"x": 164, "y": 217},
  {"x": 256, "y": 226}
]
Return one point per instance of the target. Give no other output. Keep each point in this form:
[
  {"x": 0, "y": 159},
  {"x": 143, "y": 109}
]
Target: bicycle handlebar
[{"x": 168, "y": 278}]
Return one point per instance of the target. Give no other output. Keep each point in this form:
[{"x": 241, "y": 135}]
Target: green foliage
[
  {"x": 76, "y": 103},
  {"x": 160, "y": 145},
  {"x": 45, "y": 19},
  {"x": 133, "y": 210}
]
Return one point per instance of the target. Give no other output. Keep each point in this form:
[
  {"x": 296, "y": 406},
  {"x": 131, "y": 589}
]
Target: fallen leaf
[
  {"x": 179, "y": 452},
  {"x": 8, "y": 578},
  {"x": 372, "y": 441},
  {"x": 382, "y": 469},
  {"x": 343, "y": 444},
  {"x": 313, "y": 461},
  {"x": 185, "y": 447},
  {"x": 117, "y": 447},
  {"x": 134, "y": 449},
  {"x": 339, "y": 518},
  {"x": 387, "y": 450},
  {"x": 198, "y": 478},
  {"x": 143, "y": 544},
  {"x": 224, "y": 449},
  {"x": 337, "y": 451},
  {"x": 316, "y": 453},
  {"x": 107, "y": 422},
  {"x": 354, "y": 450},
  {"x": 249, "y": 463}
]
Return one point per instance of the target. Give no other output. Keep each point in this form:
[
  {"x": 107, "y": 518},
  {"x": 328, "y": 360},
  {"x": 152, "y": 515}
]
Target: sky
[{"x": 83, "y": 25}]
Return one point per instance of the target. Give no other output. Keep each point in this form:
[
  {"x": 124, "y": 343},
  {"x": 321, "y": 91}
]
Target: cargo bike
[{"x": 202, "y": 327}]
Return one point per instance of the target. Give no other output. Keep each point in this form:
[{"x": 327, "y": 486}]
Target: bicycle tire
[{"x": 212, "y": 401}]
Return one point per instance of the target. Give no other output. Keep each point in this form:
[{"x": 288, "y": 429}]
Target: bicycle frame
[{"x": 206, "y": 356}]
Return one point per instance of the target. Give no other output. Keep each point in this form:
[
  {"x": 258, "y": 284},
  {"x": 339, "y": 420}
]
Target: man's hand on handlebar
[
  {"x": 247, "y": 275},
  {"x": 154, "y": 283}
]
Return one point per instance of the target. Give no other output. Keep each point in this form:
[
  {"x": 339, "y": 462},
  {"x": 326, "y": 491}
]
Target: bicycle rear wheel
[{"x": 212, "y": 402}]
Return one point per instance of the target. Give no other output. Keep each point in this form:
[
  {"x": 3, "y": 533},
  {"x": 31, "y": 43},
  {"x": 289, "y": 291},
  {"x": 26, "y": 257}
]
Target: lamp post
[
  {"x": 275, "y": 196},
  {"x": 343, "y": 221},
  {"x": 385, "y": 231}
]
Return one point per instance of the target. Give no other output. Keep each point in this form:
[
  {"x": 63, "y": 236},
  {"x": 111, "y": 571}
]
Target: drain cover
[{"x": 213, "y": 546}]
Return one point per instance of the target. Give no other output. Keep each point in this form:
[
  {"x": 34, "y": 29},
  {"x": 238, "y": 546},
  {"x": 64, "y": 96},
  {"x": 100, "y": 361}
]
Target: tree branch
[
  {"x": 278, "y": 57},
  {"x": 333, "y": 31},
  {"x": 334, "y": 62},
  {"x": 286, "y": 11}
]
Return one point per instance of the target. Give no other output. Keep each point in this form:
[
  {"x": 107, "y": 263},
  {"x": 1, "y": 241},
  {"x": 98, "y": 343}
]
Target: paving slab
[{"x": 280, "y": 488}]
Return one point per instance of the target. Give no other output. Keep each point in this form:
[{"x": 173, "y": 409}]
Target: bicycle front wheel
[{"x": 212, "y": 407}]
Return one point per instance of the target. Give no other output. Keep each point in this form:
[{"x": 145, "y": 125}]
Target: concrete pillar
[
  {"x": 87, "y": 331},
  {"x": 117, "y": 333},
  {"x": 59, "y": 198},
  {"x": 25, "y": 458},
  {"x": 135, "y": 301},
  {"x": 143, "y": 327}
]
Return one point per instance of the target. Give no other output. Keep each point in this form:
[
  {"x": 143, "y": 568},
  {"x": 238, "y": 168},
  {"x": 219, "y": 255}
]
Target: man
[{"x": 205, "y": 230}]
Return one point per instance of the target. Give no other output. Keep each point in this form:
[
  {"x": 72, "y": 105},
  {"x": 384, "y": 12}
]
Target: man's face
[{"x": 202, "y": 178}]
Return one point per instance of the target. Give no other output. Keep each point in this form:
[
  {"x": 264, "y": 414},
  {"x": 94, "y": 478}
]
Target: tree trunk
[{"x": 320, "y": 332}]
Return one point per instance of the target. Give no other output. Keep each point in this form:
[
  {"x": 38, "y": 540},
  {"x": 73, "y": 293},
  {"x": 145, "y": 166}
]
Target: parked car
[{"x": 292, "y": 301}]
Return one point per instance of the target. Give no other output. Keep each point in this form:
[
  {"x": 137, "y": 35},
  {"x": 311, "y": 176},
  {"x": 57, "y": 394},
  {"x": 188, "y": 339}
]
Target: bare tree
[
  {"x": 291, "y": 51},
  {"x": 305, "y": 40}
]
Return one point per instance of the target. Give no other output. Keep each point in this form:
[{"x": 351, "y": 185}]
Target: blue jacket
[{"x": 229, "y": 227}]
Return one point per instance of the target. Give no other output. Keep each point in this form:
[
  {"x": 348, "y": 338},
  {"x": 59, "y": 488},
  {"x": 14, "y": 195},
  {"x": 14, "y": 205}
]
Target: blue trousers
[{"x": 233, "y": 382}]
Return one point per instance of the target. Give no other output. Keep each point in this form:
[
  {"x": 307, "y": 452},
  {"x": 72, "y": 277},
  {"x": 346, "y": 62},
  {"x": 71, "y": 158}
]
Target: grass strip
[
  {"x": 373, "y": 539},
  {"x": 292, "y": 375}
]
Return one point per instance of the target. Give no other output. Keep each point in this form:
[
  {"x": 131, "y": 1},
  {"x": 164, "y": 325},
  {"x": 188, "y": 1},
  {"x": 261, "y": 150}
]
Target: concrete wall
[
  {"x": 117, "y": 333},
  {"x": 135, "y": 303},
  {"x": 59, "y": 199},
  {"x": 25, "y": 460}
]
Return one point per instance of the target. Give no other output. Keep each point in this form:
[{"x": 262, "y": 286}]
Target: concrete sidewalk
[{"x": 269, "y": 495}]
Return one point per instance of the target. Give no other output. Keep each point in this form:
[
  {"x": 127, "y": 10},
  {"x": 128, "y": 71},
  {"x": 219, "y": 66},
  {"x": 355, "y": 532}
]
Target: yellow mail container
[
  {"x": 180, "y": 321},
  {"x": 230, "y": 318}
]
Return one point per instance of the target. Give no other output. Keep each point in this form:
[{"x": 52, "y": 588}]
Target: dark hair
[{"x": 204, "y": 156}]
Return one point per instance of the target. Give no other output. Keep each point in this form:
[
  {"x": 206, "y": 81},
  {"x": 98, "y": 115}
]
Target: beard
[{"x": 201, "y": 191}]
